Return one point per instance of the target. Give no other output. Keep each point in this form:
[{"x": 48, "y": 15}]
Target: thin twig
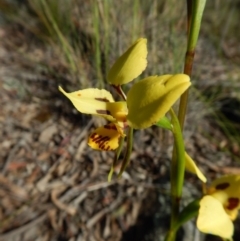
[
  {"x": 27, "y": 226},
  {"x": 11, "y": 155},
  {"x": 103, "y": 212}
]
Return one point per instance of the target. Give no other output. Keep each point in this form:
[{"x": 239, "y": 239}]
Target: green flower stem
[
  {"x": 195, "y": 11},
  {"x": 189, "y": 212},
  {"x": 126, "y": 159},
  {"x": 177, "y": 173},
  {"x": 115, "y": 162}
]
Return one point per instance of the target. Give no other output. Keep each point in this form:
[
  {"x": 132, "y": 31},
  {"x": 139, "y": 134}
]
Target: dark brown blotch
[
  {"x": 110, "y": 127},
  {"x": 101, "y": 141},
  {"x": 102, "y": 99},
  {"x": 222, "y": 186},
  {"x": 103, "y": 112},
  {"x": 233, "y": 202}
]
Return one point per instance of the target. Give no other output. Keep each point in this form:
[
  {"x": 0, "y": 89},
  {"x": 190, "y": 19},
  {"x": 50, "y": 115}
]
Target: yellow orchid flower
[
  {"x": 146, "y": 103},
  {"x": 101, "y": 103},
  {"x": 220, "y": 207},
  {"x": 155, "y": 95}
]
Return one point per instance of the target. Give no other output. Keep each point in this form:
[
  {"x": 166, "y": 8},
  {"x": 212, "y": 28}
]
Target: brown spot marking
[
  {"x": 233, "y": 202},
  {"x": 110, "y": 127},
  {"x": 78, "y": 94},
  {"x": 222, "y": 186},
  {"x": 102, "y": 99},
  {"x": 103, "y": 112},
  {"x": 101, "y": 141}
]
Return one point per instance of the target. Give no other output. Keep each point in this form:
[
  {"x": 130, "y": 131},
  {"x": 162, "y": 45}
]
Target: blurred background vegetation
[{"x": 88, "y": 35}]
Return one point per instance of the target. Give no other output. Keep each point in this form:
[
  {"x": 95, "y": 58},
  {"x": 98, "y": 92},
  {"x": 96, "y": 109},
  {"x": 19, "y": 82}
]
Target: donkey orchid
[
  {"x": 147, "y": 101},
  {"x": 220, "y": 207}
]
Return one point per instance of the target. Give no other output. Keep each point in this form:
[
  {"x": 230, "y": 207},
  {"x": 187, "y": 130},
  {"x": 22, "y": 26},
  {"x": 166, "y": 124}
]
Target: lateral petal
[
  {"x": 130, "y": 65},
  {"x": 213, "y": 219},
  {"x": 149, "y": 99}
]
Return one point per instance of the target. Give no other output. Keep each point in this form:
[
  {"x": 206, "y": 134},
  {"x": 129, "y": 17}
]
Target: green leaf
[
  {"x": 189, "y": 212},
  {"x": 197, "y": 12}
]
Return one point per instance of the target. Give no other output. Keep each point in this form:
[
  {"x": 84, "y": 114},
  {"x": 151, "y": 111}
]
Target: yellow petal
[
  {"x": 192, "y": 167},
  {"x": 227, "y": 190},
  {"x": 229, "y": 184},
  {"x": 230, "y": 204},
  {"x": 105, "y": 138},
  {"x": 97, "y": 102},
  {"x": 213, "y": 219},
  {"x": 149, "y": 99},
  {"x": 130, "y": 65},
  {"x": 233, "y": 214}
]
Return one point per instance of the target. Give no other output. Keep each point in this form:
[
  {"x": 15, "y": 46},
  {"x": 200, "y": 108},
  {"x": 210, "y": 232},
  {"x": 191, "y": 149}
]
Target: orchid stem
[
  {"x": 128, "y": 152},
  {"x": 194, "y": 11},
  {"x": 177, "y": 174}
]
